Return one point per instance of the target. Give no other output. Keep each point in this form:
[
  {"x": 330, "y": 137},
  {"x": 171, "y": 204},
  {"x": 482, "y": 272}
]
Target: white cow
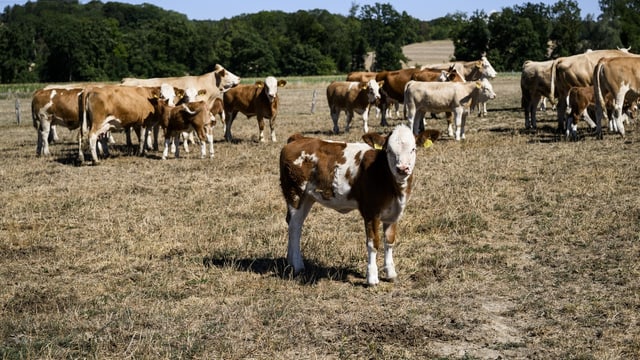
[{"x": 425, "y": 97}]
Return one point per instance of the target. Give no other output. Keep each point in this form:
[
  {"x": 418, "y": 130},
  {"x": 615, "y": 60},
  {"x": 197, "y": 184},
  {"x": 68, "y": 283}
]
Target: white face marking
[
  {"x": 374, "y": 90},
  {"x": 488, "y": 70},
  {"x": 487, "y": 91},
  {"x": 190, "y": 94},
  {"x": 167, "y": 92},
  {"x": 401, "y": 153},
  {"x": 271, "y": 87}
]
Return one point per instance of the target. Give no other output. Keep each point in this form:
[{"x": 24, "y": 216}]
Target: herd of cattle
[
  {"x": 374, "y": 177},
  {"x": 590, "y": 83}
]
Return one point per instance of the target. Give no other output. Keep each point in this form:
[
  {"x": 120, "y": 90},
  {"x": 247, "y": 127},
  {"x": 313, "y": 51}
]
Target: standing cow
[
  {"x": 53, "y": 106},
  {"x": 348, "y": 176},
  {"x": 259, "y": 100},
  {"x": 535, "y": 85},
  {"x": 350, "y": 97},
  {"x": 619, "y": 77},
  {"x": 424, "y": 97}
]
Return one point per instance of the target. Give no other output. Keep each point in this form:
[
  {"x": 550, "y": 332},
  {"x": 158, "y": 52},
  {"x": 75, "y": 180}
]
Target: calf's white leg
[{"x": 295, "y": 219}]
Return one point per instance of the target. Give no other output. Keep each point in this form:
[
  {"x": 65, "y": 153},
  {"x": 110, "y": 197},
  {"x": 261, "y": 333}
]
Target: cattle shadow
[{"x": 278, "y": 267}]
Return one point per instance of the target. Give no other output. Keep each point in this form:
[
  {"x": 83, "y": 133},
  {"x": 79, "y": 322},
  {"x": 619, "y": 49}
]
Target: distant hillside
[
  {"x": 428, "y": 52},
  {"x": 423, "y": 53}
]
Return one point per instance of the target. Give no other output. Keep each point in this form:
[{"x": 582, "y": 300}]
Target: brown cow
[
  {"x": 470, "y": 70},
  {"x": 259, "y": 100},
  {"x": 348, "y": 176},
  {"x": 393, "y": 87},
  {"x": 50, "y": 107},
  {"x": 535, "y": 85},
  {"x": 175, "y": 120},
  {"x": 116, "y": 107},
  {"x": 350, "y": 97},
  {"x": 576, "y": 70},
  {"x": 619, "y": 77}
]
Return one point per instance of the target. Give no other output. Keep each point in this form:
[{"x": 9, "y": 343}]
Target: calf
[
  {"x": 174, "y": 120},
  {"x": 350, "y": 97},
  {"x": 348, "y": 176},
  {"x": 259, "y": 100},
  {"x": 423, "y": 97},
  {"x": 53, "y": 106},
  {"x": 581, "y": 104}
]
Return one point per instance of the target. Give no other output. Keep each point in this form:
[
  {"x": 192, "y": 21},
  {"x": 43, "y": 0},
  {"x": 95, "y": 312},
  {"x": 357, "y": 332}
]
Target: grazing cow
[
  {"x": 175, "y": 120},
  {"x": 423, "y": 97},
  {"x": 259, "y": 100},
  {"x": 348, "y": 176},
  {"x": 50, "y": 107},
  {"x": 116, "y": 107},
  {"x": 393, "y": 87},
  {"x": 535, "y": 85},
  {"x": 576, "y": 70},
  {"x": 619, "y": 77},
  {"x": 350, "y": 97},
  {"x": 471, "y": 71}
]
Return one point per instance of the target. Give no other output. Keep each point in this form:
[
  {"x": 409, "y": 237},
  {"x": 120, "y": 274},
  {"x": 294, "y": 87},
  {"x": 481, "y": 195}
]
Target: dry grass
[{"x": 514, "y": 245}]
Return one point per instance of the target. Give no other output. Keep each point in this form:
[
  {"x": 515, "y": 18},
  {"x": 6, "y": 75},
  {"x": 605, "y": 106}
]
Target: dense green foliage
[{"x": 64, "y": 41}]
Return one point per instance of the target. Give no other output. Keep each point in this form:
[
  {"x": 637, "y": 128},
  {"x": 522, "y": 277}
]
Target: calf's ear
[
  {"x": 374, "y": 140},
  {"x": 282, "y": 83},
  {"x": 260, "y": 83}
]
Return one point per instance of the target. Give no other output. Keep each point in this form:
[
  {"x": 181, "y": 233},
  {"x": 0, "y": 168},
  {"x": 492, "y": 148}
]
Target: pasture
[{"x": 513, "y": 245}]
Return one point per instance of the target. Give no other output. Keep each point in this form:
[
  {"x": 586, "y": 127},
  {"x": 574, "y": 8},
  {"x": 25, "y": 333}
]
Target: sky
[{"x": 420, "y": 9}]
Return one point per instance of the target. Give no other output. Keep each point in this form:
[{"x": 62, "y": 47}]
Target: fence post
[
  {"x": 18, "y": 110},
  {"x": 313, "y": 101}
]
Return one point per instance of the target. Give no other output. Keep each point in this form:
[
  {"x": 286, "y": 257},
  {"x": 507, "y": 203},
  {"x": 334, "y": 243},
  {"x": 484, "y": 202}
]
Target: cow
[
  {"x": 423, "y": 97},
  {"x": 50, "y": 107},
  {"x": 217, "y": 112},
  {"x": 619, "y": 77},
  {"x": 212, "y": 83},
  {"x": 175, "y": 120},
  {"x": 350, "y": 97},
  {"x": 364, "y": 76},
  {"x": 471, "y": 71},
  {"x": 259, "y": 100},
  {"x": 535, "y": 86},
  {"x": 437, "y": 75},
  {"x": 393, "y": 87},
  {"x": 576, "y": 70},
  {"x": 348, "y": 176},
  {"x": 115, "y": 107},
  {"x": 582, "y": 104}
]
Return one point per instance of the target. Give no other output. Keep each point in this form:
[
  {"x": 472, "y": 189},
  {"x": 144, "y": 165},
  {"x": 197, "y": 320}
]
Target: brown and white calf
[
  {"x": 259, "y": 100},
  {"x": 424, "y": 97},
  {"x": 348, "y": 176},
  {"x": 352, "y": 97},
  {"x": 53, "y": 106},
  {"x": 175, "y": 120}
]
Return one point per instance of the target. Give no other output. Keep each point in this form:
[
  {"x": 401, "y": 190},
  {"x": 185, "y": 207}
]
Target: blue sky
[{"x": 421, "y": 9}]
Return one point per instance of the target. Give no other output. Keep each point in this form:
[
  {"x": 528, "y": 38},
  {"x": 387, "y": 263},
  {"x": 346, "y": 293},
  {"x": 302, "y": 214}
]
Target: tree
[
  {"x": 472, "y": 39},
  {"x": 384, "y": 29},
  {"x": 567, "y": 26}
]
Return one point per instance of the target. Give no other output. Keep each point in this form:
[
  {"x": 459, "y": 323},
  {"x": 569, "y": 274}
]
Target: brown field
[
  {"x": 428, "y": 52},
  {"x": 514, "y": 245}
]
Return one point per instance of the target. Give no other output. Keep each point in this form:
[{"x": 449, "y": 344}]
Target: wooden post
[
  {"x": 18, "y": 111},
  {"x": 313, "y": 101}
]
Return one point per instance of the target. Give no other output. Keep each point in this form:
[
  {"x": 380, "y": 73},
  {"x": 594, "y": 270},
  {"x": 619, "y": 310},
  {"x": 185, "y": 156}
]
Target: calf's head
[
  {"x": 271, "y": 85},
  {"x": 400, "y": 148}
]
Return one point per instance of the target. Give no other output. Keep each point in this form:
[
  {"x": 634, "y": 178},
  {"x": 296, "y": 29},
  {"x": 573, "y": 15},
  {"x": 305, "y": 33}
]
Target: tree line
[{"x": 65, "y": 41}]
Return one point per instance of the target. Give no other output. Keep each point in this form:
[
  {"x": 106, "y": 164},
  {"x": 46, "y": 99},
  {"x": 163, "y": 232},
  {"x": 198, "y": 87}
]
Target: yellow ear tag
[
  {"x": 427, "y": 144},
  {"x": 377, "y": 146}
]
